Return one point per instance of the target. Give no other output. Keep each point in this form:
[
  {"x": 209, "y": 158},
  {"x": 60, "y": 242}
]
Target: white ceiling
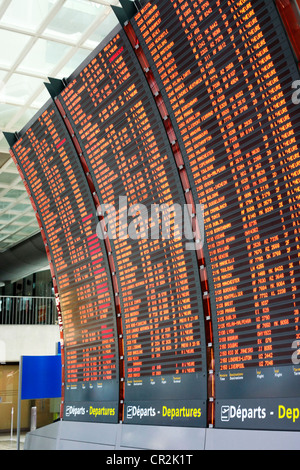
[{"x": 39, "y": 39}]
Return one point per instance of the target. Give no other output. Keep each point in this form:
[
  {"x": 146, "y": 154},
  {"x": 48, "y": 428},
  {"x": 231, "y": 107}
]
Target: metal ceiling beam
[
  {"x": 47, "y": 37},
  {"x": 4, "y": 7}
]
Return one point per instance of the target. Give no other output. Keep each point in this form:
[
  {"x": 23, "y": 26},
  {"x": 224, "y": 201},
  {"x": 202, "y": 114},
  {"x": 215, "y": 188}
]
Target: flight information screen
[
  {"x": 181, "y": 129},
  {"x": 122, "y": 137},
  {"x": 225, "y": 71},
  {"x": 68, "y": 218}
]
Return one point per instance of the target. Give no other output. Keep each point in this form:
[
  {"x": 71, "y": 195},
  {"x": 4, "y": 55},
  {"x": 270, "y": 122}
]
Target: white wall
[{"x": 27, "y": 340}]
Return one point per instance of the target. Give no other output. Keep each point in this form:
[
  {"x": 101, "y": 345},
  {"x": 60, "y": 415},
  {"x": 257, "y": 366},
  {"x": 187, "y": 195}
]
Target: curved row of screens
[{"x": 101, "y": 171}]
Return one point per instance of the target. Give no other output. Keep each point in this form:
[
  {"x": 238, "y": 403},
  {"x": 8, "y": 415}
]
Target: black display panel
[
  {"x": 192, "y": 101},
  {"x": 67, "y": 216},
  {"x": 125, "y": 146},
  {"x": 225, "y": 71}
]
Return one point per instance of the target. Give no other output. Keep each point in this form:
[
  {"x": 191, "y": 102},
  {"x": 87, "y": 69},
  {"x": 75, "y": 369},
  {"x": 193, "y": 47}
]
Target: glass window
[
  {"x": 25, "y": 118},
  {"x": 14, "y": 194},
  {"x": 7, "y": 112},
  {"x": 20, "y": 208},
  {"x": 28, "y": 14},
  {"x": 43, "y": 57},
  {"x": 73, "y": 63},
  {"x": 20, "y": 87},
  {"x": 106, "y": 26},
  {"x": 26, "y": 219},
  {"x": 3, "y": 206},
  {"x": 41, "y": 99},
  {"x": 73, "y": 19},
  {"x": 8, "y": 178},
  {"x": 15, "y": 43}
]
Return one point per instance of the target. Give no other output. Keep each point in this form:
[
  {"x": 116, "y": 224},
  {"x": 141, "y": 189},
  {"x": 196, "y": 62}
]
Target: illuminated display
[
  {"x": 65, "y": 207},
  {"x": 225, "y": 70},
  {"x": 190, "y": 103},
  {"x": 119, "y": 132}
]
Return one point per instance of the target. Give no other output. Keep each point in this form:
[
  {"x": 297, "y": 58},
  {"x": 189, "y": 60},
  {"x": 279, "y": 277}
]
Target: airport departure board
[
  {"x": 67, "y": 215},
  {"x": 166, "y": 178},
  {"x": 225, "y": 71},
  {"x": 121, "y": 135}
]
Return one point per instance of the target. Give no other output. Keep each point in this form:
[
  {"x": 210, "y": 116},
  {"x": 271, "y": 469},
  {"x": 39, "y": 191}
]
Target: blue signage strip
[{"x": 41, "y": 377}]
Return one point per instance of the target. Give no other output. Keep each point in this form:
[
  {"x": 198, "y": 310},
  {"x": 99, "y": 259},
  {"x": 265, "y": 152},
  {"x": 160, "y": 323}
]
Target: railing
[{"x": 16, "y": 310}]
